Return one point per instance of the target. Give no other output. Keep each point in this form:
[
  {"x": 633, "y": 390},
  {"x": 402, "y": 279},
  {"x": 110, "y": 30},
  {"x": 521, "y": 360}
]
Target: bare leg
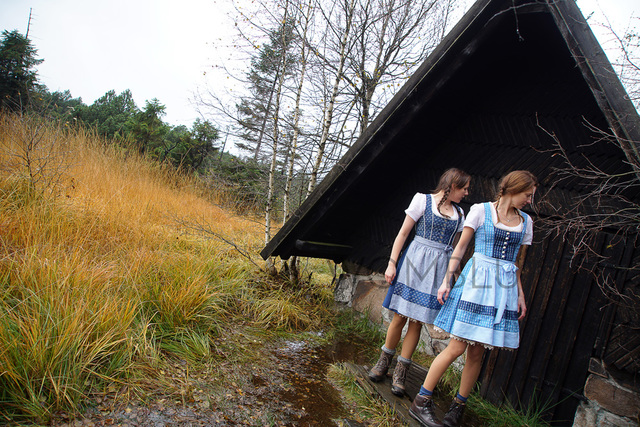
[
  {"x": 411, "y": 339},
  {"x": 443, "y": 361},
  {"x": 471, "y": 370},
  {"x": 394, "y": 331}
]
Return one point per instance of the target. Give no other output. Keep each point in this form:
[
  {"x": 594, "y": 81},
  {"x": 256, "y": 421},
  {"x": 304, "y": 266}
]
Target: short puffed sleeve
[
  {"x": 475, "y": 218},
  {"x": 417, "y": 206}
]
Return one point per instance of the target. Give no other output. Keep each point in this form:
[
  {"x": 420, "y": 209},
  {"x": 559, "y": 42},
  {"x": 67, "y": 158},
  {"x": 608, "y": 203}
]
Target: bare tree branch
[{"x": 609, "y": 204}]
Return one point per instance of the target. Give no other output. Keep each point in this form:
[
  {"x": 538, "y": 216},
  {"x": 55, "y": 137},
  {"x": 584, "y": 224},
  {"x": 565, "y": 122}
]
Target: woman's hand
[
  {"x": 443, "y": 291},
  {"x": 522, "y": 307},
  {"x": 390, "y": 273},
  {"x": 398, "y": 243}
]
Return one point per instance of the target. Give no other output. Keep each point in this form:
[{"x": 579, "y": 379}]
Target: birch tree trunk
[
  {"x": 276, "y": 131},
  {"x": 328, "y": 111},
  {"x": 296, "y": 117},
  {"x": 293, "y": 270},
  {"x": 391, "y": 37}
]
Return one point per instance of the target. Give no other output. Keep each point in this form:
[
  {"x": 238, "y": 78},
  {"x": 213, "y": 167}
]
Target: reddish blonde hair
[{"x": 516, "y": 182}]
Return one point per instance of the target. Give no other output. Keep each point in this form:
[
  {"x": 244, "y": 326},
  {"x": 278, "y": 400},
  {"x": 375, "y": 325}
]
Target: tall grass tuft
[
  {"x": 56, "y": 333},
  {"x": 507, "y": 416},
  {"x": 282, "y": 311}
]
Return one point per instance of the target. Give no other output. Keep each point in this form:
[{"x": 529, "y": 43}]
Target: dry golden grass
[
  {"x": 94, "y": 266},
  {"x": 111, "y": 265}
]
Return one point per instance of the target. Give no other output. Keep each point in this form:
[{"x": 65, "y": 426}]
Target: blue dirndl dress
[
  {"x": 422, "y": 267},
  {"x": 482, "y": 307}
]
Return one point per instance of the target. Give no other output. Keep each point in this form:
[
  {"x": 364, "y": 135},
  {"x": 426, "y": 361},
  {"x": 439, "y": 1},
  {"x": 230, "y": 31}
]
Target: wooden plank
[
  {"x": 564, "y": 346},
  {"x": 415, "y": 378},
  {"x": 576, "y": 372},
  {"x": 624, "y": 349},
  {"x": 488, "y": 367},
  {"x": 535, "y": 278},
  {"x": 624, "y": 338},
  {"x": 630, "y": 361},
  {"x": 550, "y": 326},
  {"x": 382, "y": 390}
]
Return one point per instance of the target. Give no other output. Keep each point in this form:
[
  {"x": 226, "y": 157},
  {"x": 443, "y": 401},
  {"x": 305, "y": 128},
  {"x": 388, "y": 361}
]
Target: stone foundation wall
[
  {"x": 365, "y": 294},
  {"x": 613, "y": 399}
]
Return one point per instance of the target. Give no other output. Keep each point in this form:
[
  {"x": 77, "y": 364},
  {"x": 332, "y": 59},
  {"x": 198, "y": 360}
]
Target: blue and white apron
[
  {"x": 422, "y": 267},
  {"x": 482, "y": 307}
]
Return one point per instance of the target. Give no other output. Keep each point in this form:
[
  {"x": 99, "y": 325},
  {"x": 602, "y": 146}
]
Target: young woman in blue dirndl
[
  {"x": 420, "y": 270},
  {"x": 484, "y": 306}
]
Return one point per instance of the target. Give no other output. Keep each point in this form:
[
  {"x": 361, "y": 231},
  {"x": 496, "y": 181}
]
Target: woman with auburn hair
[
  {"x": 420, "y": 270},
  {"x": 484, "y": 306}
]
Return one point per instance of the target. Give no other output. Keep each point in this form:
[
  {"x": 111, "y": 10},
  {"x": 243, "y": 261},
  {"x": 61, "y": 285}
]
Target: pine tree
[
  {"x": 18, "y": 79},
  {"x": 256, "y": 112}
]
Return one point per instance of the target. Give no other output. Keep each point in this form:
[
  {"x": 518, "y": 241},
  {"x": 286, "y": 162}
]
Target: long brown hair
[{"x": 452, "y": 177}]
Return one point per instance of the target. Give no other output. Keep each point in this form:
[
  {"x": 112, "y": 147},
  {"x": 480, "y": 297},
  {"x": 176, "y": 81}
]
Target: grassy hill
[{"x": 111, "y": 266}]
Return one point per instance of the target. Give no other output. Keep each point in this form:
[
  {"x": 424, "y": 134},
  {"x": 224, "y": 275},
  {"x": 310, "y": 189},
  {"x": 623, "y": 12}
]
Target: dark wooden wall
[
  {"x": 568, "y": 322},
  {"x": 620, "y": 346}
]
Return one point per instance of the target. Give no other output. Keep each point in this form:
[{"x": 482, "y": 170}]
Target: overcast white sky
[{"x": 159, "y": 48}]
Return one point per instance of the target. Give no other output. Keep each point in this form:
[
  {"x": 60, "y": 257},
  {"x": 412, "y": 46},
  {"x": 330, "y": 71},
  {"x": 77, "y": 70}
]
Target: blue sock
[
  {"x": 460, "y": 398},
  {"x": 425, "y": 392}
]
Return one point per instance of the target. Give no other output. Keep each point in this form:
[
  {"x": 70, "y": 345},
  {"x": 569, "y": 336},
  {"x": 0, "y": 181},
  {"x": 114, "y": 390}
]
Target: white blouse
[
  {"x": 419, "y": 204},
  {"x": 475, "y": 218}
]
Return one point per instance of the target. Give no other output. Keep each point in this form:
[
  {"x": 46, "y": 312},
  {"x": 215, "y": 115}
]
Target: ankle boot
[
  {"x": 422, "y": 410},
  {"x": 380, "y": 369},
  {"x": 454, "y": 414},
  {"x": 399, "y": 376}
]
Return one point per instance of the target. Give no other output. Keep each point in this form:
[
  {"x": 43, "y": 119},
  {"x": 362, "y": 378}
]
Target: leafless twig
[
  {"x": 608, "y": 204},
  {"x": 203, "y": 228}
]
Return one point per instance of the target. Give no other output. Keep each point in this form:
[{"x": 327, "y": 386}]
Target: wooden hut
[{"x": 507, "y": 75}]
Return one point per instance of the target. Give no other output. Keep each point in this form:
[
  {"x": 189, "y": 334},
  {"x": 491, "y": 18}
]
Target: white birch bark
[
  {"x": 328, "y": 112},
  {"x": 296, "y": 117},
  {"x": 276, "y": 131}
]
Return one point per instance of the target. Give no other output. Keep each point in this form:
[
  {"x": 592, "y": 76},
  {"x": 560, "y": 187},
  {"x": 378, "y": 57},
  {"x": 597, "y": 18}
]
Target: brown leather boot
[
  {"x": 422, "y": 410},
  {"x": 454, "y": 414},
  {"x": 380, "y": 369},
  {"x": 399, "y": 376}
]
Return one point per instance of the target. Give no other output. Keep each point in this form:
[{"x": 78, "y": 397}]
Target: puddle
[{"x": 307, "y": 398}]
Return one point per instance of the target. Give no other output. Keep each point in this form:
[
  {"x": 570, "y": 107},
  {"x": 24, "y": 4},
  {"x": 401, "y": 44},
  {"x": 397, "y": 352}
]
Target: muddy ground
[{"x": 284, "y": 386}]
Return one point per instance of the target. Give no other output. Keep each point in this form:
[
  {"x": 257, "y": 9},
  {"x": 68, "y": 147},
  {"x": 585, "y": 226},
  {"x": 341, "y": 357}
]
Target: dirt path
[{"x": 286, "y": 387}]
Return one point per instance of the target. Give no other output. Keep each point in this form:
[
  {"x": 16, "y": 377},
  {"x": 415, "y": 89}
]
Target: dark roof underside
[{"x": 478, "y": 103}]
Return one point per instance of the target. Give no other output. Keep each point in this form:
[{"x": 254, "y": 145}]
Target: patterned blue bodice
[
  {"x": 435, "y": 228},
  {"x": 497, "y": 243}
]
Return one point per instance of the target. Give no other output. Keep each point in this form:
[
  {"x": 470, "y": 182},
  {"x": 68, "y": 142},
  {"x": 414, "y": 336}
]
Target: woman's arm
[
  {"x": 454, "y": 263},
  {"x": 456, "y": 273},
  {"x": 522, "y": 307},
  {"x": 398, "y": 244}
]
